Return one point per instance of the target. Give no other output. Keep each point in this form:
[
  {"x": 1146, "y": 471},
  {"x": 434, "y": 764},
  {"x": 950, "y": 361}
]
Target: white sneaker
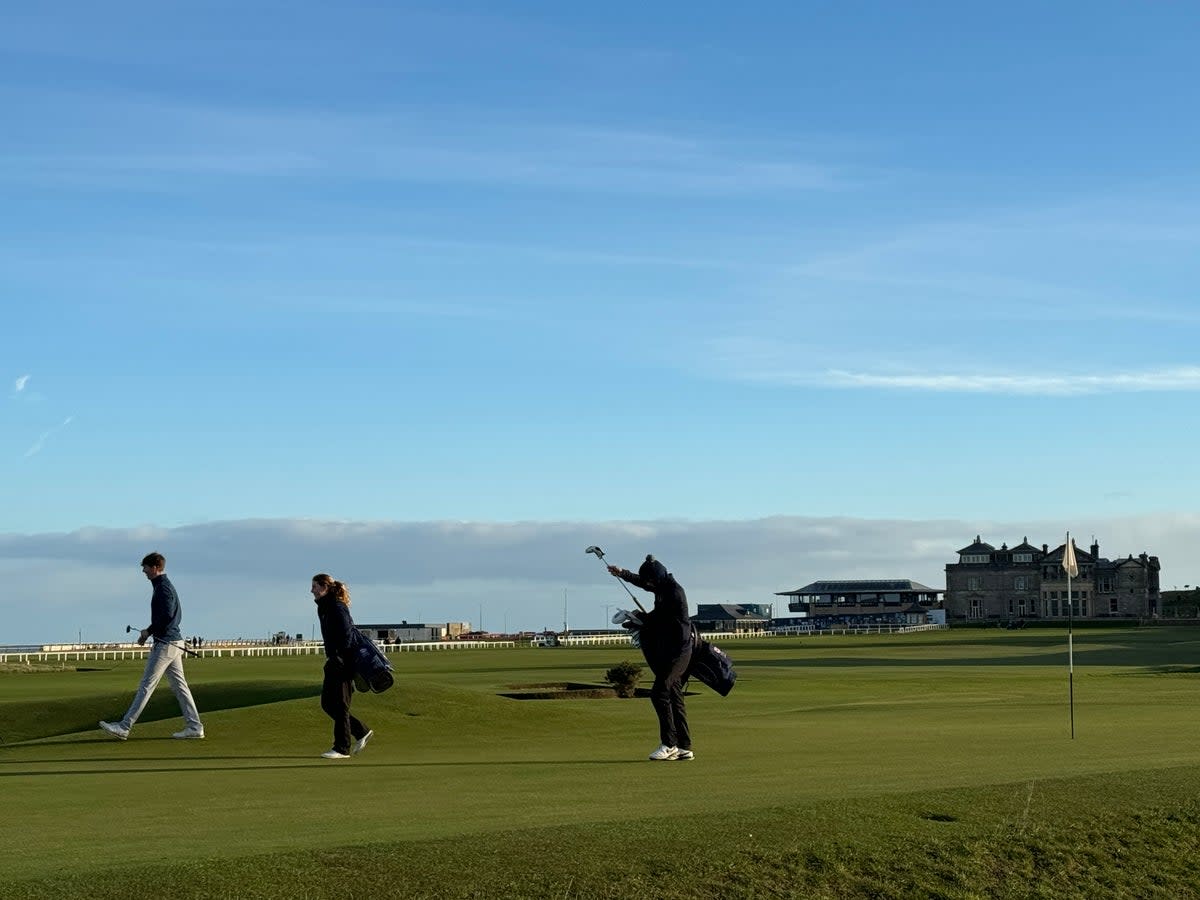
[
  {"x": 196, "y": 734},
  {"x": 121, "y": 734},
  {"x": 664, "y": 752},
  {"x": 335, "y": 754},
  {"x": 361, "y": 743},
  {"x": 685, "y": 754}
]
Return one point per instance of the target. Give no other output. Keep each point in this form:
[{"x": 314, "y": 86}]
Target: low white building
[{"x": 413, "y": 632}]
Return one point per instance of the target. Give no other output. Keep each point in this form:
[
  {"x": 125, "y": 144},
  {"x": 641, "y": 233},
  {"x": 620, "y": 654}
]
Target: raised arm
[{"x": 632, "y": 577}]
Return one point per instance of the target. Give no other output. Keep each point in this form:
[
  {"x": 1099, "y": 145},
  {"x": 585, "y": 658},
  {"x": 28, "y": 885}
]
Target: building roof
[
  {"x": 886, "y": 586},
  {"x": 1025, "y": 546},
  {"x": 978, "y": 547},
  {"x": 712, "y": 612},
  {"x": 1131, "y": 560},
  {"x": 1056, "y": 555}
]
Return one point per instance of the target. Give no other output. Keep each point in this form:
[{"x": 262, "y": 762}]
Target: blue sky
[{"x": 533, "y": 270}]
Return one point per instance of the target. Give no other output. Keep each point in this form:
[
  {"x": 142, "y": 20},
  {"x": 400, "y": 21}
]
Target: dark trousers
[
  {"x": 667, "y": 697},
  {"x": 336, "y": 691}
]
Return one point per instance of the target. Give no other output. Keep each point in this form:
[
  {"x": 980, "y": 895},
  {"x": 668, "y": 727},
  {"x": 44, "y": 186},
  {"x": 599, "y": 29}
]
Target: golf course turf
[{"x": 925, "y": 765}]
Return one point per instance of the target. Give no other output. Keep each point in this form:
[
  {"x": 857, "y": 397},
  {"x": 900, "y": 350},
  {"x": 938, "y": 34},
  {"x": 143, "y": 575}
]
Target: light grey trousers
[{"x": 165, "y": 659}]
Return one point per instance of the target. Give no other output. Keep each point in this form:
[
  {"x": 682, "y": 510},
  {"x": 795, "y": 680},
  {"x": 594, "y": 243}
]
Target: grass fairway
[{"x": 927, "y": 765}]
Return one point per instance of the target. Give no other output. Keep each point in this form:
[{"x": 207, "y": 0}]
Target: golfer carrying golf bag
[
  {"x": 666, "y": 638},
  {"x": 337, "y": 631}
]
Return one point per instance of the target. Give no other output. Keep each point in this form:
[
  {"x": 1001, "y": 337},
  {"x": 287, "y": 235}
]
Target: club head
[
  {"x": 596, "y": 550},
  {"x": 128, "y": 628}
]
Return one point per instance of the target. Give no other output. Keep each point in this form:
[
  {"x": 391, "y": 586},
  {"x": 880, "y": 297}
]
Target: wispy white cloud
[
  {"x": 278, "y": 164},
  {"x": 37, "y": 445},
  {"x": 547, "y": 153},
  {"x": 19, "y": 384},
  {"x": 1085, "y": 260},
  {"x": 774, "y": 362},
  {"x": 859, "y": 316},
  {"x": 1186, "y": 378}
]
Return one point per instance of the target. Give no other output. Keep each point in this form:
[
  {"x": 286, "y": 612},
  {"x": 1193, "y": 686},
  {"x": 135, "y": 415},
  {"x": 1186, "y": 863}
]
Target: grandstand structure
[{"x": 898, "y": 601}]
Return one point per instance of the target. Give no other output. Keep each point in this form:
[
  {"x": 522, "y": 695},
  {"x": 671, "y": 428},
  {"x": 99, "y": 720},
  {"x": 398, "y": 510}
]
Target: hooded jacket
[{"x": 667, "y": 628}]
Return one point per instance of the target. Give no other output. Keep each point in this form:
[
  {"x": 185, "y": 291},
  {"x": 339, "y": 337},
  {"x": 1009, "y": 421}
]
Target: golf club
[
  {"x": 181, "y": 645},
  {"x": 599, "y": 554}
]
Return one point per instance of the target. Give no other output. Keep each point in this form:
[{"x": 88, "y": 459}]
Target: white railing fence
[
  {"x": 584, "y": 640},
  {"x": 313, "y": 648},
  {"x": 791, "y": 630},
  {"x": 306, "y": 648}
]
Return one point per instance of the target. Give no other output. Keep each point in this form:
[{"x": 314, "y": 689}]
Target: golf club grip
[{"x": 599, "y": 554}]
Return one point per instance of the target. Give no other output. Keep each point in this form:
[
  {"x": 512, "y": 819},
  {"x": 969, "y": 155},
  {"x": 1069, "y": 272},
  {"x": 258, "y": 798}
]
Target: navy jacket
[
  {"x": 165, "y": 611},
  {"x": 337, "y": 629}
]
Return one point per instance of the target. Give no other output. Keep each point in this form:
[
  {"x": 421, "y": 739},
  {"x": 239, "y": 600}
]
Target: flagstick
[
  {"x": 1070, "y": 635},
  {"x": 1070, "y": 654}
]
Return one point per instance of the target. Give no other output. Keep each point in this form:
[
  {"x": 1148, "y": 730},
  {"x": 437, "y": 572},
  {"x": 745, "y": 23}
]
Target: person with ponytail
[{"x": 337, "y": 631}]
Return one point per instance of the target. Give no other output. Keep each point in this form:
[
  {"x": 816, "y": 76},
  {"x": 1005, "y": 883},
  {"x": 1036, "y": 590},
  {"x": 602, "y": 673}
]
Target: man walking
[{"x": 166, "y": 656}]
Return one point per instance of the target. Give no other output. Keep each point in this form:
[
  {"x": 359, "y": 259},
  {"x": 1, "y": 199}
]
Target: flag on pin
[{"x": 1069, "y": 563}]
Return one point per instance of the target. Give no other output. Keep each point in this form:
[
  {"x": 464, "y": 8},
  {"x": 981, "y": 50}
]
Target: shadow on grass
[
  {"x": 311, "y": 763},
  {"x": 148, "y": 759},
  {"x": 636, "y": 655},
  {"x": 873, "y": 662},
  {"x": 33, "y": 719},
  {"x": 1169, "y": 670},
  {"x": 1048, "y": 654}
]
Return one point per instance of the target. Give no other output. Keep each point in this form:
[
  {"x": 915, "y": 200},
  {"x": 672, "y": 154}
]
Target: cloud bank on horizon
[{"x": 250, "y": 578}]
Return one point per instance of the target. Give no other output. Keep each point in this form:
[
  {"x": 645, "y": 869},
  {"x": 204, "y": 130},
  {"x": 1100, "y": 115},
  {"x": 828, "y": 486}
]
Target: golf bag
[
  {"x": 710, "y": 666},
  {"x": 372, "y": 671}
]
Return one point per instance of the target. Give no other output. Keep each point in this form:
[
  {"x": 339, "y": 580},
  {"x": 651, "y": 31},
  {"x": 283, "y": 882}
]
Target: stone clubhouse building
[{"x": 1028, "y": 582}]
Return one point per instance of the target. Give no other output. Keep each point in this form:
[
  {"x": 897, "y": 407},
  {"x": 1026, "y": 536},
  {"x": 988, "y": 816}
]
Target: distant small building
[
  {"x": 1181, "y": 604},
  {"x": 413, "y": 632},
  {"x": 732, "y": 617}
]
